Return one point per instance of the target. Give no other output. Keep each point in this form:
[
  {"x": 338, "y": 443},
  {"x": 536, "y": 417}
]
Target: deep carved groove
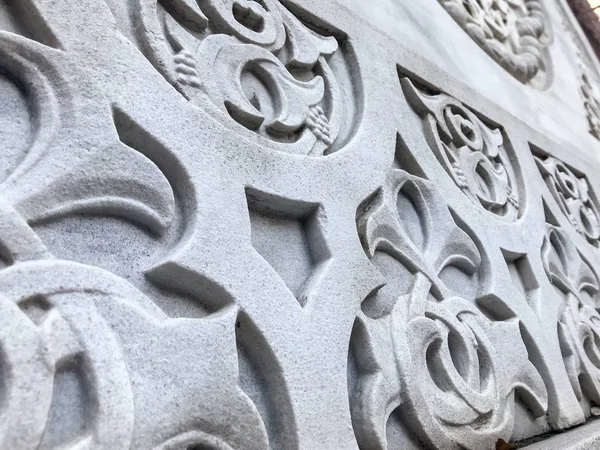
[{"x": 260, "y": 378}]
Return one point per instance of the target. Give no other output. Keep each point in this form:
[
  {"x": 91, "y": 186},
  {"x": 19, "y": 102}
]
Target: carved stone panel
[
  {"x": 474, "y": 154},
  {"x": 516, "y": 33},
  {"x": 574, "y": 196},
  {"x": 256, "y": 62},
  {"x": 267, "y": 224}
]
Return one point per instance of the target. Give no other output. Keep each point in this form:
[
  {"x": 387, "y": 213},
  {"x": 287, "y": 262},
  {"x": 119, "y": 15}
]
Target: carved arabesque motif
[
  {"x": 43, "y": 329},
  {"x": 579, "y": 322},
  {"x": 57, "y": 315},
  {"x": 256, "y": 62},
  {"x": 436, "y": 356},
  {"x": 513, "y": 32},
  {"x": 270, "y": 373},
  {"x": 472, "y": 153},
  {"x": 47, "y": 182},
  {"x": 572, "y": 193}
]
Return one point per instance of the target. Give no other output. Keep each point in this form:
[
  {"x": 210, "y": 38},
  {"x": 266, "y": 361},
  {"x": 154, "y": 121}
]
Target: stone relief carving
[
  {"x": 472, "y": 153},
  {"x": 284, "y": 246},
  {"x": 257, "y": 62},
  {"x": 579, "y": 322},
  {"x": 45, "y": 330},
  {"x": 70, "y": 332},
  {"x": 423, "y": 349},
  {"x": 61, "y": 316},
  {"x": 516, "y": 33},
  {"x": 48, "y": 158},
  {"x": 573, "y": 195},
  {"x": 588, "y": 87},
  {"x": 591, "y": 102}
]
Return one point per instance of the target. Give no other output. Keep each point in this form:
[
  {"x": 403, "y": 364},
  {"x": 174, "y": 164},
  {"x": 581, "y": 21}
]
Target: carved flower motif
[
  {"x": 472, "y": 153},
  {"x": 448, "y": 369},
  {"x": 579, "y": 323},
  {"x": 572, "y": 193},
  {"x": 513, "y": 32},
  {"x": 259, "y": 64}
]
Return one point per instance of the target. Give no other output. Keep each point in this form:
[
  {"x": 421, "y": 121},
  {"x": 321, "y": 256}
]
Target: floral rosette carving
[
  {"x": 256, "y": 62},
  {"x": 572, "y": 193},
  {"x": 516, "y": 33},
  {"x": 422, "y": 350},
  {"x": 473, "y": 154},
  {"x": 60, "y": 317},
  {"x": 579, "y": 322}
]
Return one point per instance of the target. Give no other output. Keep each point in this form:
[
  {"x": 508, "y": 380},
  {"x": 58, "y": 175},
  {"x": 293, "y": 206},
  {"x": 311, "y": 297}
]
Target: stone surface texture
[{"x": 298, "y": 224}]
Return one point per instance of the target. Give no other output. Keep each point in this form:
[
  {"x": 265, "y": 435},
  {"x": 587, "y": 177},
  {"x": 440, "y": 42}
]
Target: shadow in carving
[
  {"x": 12, "y": 15},
  {"x": 523, "y": 278},
  {"x": 475, "y": 155},
  {"x": 419, "y": 349},
  {"x": 261, "y": 379},
  {"x": 71, "y": 408},
  {"x": 288, "y": 236},
  {"x": 405, "y": 160},
  {"x": 16, "y": 125}
]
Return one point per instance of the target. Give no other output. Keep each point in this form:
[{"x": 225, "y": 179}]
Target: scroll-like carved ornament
[
  {"x": 573, "y": 195},
  {"x": 472, "y": 153},
  {"x": 579, "y": 321},
  {"x": 254, "y": 61},
  {"x": 513, "y": 32}
]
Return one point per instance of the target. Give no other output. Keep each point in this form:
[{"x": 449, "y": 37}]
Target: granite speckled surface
[{"x": 307, "y": 224}]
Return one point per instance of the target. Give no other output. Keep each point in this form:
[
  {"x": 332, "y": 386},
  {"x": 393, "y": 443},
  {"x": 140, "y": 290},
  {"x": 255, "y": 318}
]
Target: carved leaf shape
[
  {"x": 559, "y": 255},
  {"x": 119, "y": 181},
  {"x": 70, "y": 169},
  {"x": 305, "y": 46},
  {"x": 383, "y": 227}
]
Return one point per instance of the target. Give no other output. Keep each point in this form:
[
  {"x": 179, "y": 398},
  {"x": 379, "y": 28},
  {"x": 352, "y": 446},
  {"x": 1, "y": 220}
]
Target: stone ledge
[{"x": 584, "y": 437}]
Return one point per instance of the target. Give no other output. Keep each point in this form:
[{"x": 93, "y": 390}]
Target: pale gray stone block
[{"x": 298, "y": 224}]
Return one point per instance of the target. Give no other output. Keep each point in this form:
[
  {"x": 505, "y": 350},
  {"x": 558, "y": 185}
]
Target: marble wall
[{"x": 298, "y": 224}]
